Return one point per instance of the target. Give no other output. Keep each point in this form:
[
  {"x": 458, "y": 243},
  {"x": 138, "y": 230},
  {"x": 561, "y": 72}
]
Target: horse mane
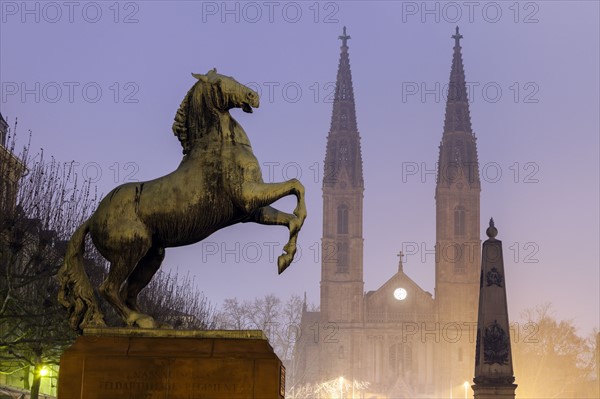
[{"x": 196, "y": 114}]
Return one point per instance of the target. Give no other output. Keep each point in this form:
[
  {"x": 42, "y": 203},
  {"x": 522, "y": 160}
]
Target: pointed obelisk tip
[{"x": 492, "y": 231}]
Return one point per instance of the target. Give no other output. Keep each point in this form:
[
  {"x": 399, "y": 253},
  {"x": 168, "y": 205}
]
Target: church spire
[
  {"x": 342, "y": 284},
  {"x": 458, "y": 118},
  {"x": 343, "y": 143},
  {"x": 458, "y": 149},
  {"x": 344, "y": 114},
  {"x": 457, "y": 196}
]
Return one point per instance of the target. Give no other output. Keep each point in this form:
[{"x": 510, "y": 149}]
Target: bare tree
[
  {"x": 37, "y": 215},
  {"x": 288, "y": 331},
  {"x": 176, "y": 301},
  {"x": 280, "y": 321},
  {"x": 551, "y": 360},
  {"x": 235, "y": 314}
]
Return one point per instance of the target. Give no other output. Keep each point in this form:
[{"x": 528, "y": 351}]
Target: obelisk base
[
  {"x": 490, "y": 391},
  {"x": 167, "y": 364}
]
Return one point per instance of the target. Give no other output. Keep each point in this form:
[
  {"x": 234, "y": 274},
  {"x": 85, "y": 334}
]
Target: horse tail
[{"x": 76, "y": 292}]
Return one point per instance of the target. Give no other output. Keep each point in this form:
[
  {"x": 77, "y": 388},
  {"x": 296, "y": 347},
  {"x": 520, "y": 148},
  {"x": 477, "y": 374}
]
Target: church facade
[{"x": 403, "y": 341}]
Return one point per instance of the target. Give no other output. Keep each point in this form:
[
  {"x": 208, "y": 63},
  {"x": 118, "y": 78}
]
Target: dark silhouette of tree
[
  {"x": 38, "y": 212},
  {"x": 176, "y": 301}
]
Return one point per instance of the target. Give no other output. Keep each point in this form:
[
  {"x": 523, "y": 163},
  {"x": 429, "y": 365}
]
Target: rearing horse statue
[{"x": 217, "y": 184}]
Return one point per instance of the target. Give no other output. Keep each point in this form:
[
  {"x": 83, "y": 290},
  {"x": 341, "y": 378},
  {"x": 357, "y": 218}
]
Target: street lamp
[{"x": 466, "y": 385}]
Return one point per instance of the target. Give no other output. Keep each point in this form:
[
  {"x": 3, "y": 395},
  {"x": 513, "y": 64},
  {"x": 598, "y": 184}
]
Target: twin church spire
[
  {"x": 458, "y": 162},
  {"x": 458, "y": 118},
  {"x": 343, "y": 159},
  {"x": 343, "y": 144}
]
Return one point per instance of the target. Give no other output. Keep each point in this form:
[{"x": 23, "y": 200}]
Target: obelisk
[{"x": 494, "y": 377}]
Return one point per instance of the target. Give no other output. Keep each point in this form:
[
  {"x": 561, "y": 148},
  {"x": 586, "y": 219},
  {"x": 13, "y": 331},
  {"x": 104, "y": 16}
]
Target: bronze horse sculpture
[{"x": 218, "y": 183}]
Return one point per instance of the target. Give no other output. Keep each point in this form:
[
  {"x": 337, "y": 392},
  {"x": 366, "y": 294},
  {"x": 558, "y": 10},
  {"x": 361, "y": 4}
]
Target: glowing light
[
  {"x": 400, "y": 294},
  {"x": 44, "y": 371},
  {"x": 337, "y": 388},
  {"x": 466, "y": 385}
]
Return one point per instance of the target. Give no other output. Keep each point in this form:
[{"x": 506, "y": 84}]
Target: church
[{"x": 398, "y": 341}]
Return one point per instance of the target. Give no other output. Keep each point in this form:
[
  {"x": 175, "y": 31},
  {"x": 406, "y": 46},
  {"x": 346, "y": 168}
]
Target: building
[
  {"x": 11, "y": 170},
  {"x": 401, "y": 339}
]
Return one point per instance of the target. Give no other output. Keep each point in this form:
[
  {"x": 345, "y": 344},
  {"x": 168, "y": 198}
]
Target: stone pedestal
[
  {"x": 490, "y": 391},
  {"x": 152, "y": 364}
]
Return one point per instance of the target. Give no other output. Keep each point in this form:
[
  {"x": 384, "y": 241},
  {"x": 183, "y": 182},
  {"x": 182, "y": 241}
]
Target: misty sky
[{"x": 100, "y": 82}]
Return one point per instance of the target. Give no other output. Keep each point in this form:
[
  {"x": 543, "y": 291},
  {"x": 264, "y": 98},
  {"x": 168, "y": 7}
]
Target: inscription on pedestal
[{"x": 170, "y": 368}]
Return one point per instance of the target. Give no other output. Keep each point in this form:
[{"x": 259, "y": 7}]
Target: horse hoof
[
  {"x": 146, "y": 322},
  {"x": 96, "y": 322},
  {"x": 283, "y": 262}
]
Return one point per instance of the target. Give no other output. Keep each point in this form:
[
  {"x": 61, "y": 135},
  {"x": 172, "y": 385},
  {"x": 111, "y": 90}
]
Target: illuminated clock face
[{"x": 400, "y": 294}]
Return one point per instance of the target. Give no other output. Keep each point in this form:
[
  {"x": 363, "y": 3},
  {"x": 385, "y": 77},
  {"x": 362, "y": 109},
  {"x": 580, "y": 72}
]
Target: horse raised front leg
[{"x": 256, "y": 200}]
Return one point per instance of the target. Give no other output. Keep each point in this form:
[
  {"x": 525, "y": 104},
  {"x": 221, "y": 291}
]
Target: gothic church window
[
  {"x": 459, "y": 221},
  {"x": 342, "y": 219},
  {"x": 342, "y": 257},
  {"x": 458, "y": 256},
  {"x": 459, "y": 266},
  {"x": 400, "y": 358},
  {"x": 408, "y": 358},
  {"x": 394, "y": 361}
]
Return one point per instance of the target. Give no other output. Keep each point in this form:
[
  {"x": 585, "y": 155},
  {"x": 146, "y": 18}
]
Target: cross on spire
[
  {"x": 457, "y": 38},
  {"x": 344, "y": 38},
  {"x": 400, "y": 265}
]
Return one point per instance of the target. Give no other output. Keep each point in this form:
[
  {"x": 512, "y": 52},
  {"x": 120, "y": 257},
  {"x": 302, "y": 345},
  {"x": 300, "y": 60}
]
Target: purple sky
[{"x": 541, "y": 132}]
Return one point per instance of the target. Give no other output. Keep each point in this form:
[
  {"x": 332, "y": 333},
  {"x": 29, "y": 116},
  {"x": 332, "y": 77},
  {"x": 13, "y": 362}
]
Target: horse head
[
  {"x": 209, "y": 99},
  {"x": 228, "y": 92}
]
